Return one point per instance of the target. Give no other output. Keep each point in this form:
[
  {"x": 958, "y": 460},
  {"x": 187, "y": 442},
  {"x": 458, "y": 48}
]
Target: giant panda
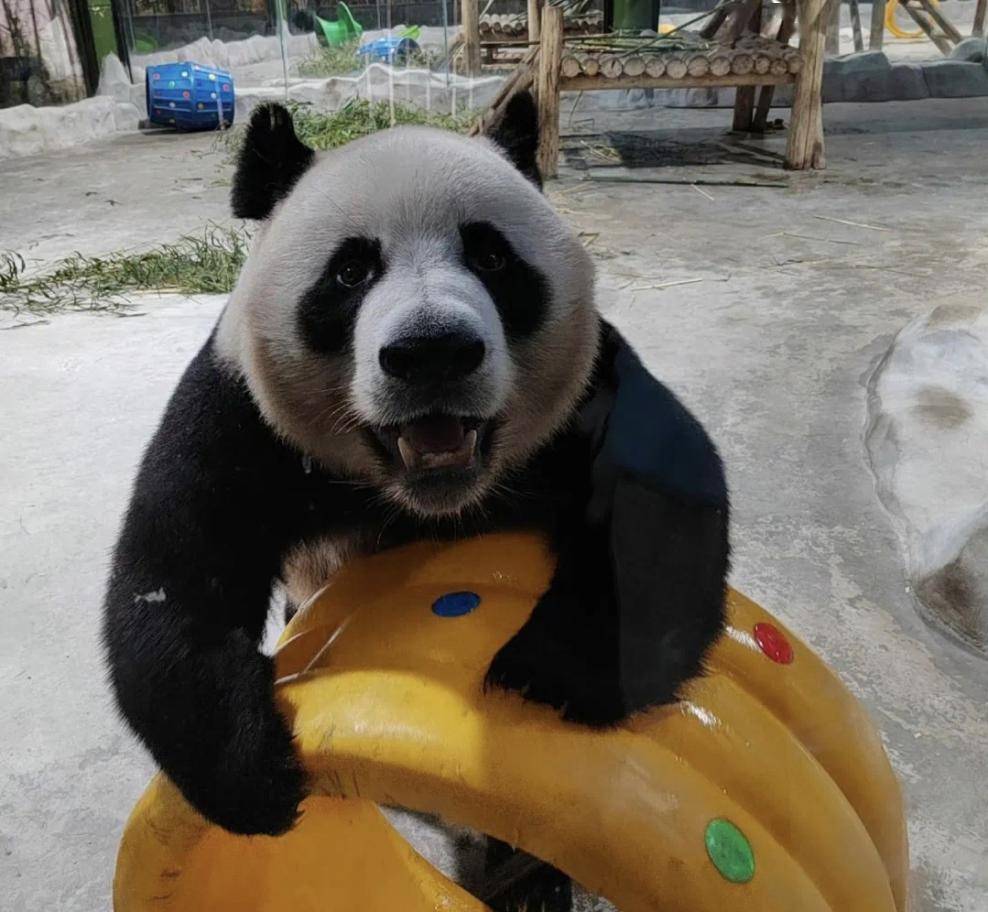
[{"x": 412, "y": 349}]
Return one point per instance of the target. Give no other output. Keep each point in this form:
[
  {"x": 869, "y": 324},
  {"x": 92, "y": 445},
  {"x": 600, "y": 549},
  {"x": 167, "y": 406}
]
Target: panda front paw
[
  {"x": 224, "y": 743},
  {"x": 574, "y": 670},
  {"x": 255, "y": 788}
]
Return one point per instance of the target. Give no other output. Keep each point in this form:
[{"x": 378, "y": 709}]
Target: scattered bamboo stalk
[{"x": 839, "y": 221}]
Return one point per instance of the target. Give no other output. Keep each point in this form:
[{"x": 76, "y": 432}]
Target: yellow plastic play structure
[{"x": 765, "y": 789}]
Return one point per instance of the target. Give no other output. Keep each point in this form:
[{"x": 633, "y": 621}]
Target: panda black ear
[
  {"x": 517, "y": 132},
  {"x": 271, "y": 160}
]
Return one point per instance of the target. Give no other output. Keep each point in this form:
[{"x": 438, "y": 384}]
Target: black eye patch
[
  {"x": 519, "y": 291},
  {"x": 328, "y": 310}
]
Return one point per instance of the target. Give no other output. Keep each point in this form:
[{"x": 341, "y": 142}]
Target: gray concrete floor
[{"x": 781, "y": 313}]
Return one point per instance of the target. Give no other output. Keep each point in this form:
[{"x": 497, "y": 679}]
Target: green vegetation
[
  {"x": 359, "y": 117},
  {"x": 205, "y": 264}
]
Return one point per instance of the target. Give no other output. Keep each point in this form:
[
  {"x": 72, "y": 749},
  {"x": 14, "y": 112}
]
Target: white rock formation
[{"x": 927, "y": 440}]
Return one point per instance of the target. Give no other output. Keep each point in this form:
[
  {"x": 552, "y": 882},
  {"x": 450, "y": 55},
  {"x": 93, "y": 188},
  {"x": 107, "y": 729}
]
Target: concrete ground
[{"x": 765, "y": 306}]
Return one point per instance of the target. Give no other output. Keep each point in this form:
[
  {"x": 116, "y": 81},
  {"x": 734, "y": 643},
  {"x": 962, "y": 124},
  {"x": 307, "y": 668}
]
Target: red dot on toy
[{"x": 773, "y": 643}]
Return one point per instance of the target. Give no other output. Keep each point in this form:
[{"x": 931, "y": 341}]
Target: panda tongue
[{"x": 435, "y": 434}]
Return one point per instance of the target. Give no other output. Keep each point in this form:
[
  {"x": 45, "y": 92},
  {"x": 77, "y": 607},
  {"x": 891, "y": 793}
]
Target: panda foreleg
[
  {"x": 187, "y": 600},
  {"x": 638, "y": 592}
]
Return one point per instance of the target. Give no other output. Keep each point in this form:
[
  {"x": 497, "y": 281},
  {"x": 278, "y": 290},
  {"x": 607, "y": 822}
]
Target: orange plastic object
[{"x": 765, "y": 789}]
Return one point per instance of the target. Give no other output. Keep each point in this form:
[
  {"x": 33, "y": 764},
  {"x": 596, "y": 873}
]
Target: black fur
[
  {"x": 328, "y": 310},
  {"x": 518, "y": 289},
  {"x": 517, "y": 132},
  {"x": 271, "y": 160},
  {"x": 633, "y": 495}
]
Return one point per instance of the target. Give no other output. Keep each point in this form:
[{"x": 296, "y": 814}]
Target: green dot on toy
[{"x": 730, "y": 851}]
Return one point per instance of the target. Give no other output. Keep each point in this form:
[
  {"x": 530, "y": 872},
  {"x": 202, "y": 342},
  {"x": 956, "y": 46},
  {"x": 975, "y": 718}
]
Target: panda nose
[{"x": 425, "y": 360}]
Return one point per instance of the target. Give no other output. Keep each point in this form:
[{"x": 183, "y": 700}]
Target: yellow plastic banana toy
[{"x": 766, "y": 788}]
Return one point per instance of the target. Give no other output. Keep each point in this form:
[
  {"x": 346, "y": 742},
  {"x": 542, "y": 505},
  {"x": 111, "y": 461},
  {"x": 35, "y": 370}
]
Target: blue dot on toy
[{"x": 455, "y": 604}]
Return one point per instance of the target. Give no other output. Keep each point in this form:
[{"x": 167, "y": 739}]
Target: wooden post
[
  {"x": 833, "y": 29},
  {"x": 805, "y": 145},
  {"x": 470, "y": 24},
  {"x": 979, "y": 18},
  {"x": 550, "y": 58},
  {"x": 856, "y": 25},
  {"x": 787, "y": 28},
  {"x": 534, "y": 20},
  {"x": 877, "y": 25},
  {"x": 744, "y": 105}
]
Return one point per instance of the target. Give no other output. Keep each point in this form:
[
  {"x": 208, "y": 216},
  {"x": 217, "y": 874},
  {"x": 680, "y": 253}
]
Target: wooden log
[
  {"x": 634, "y": 65},
  {"x": 611, "y": 66},
  {"x": 698, "y": 65},
  {"x": 804, "y": 148},
  {"x": 856, "y": 25},
  {"x": 534, "y": 20},
  {"x": 675, "y": 66},
  {"x": 778, "y": 67},
  {"x": 570, "y": 66},
  {"x": 550, "y": 54},
  {"x": 979, "y": 18},
  {"x": 762, "y": 63},
  {"x": 720, "y": 63},
  {"x": 655, "y": 66},
  {"x": 742, "y": 64},
  {"x": 485, "y": 27},
  {"x": 470, "y": 19},
  {"x": 794, "y": 64},
  {"x": 590, "y": 64}
]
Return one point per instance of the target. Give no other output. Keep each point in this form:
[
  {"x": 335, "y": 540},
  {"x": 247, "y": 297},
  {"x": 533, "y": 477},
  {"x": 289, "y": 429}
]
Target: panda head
[{"x": 412, "y": 314}]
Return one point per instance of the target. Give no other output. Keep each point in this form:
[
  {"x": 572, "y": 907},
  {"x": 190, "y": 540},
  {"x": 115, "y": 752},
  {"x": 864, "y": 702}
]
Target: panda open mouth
[{"x": 436, "y": 443}]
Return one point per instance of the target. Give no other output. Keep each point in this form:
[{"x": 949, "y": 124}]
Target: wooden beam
[
  {"x": 921, "y": 19},
  {"x": 805, "y": 145},
  {"x": 877, "y": 36},
  {"x": 946, "y": 26},
  {"x": 470, "y": 25},
  {"x": 597, "y": 83},
  {"x": 548, "y": 87}
]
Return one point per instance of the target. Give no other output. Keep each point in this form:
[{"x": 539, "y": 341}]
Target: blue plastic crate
[
  {"x": 189, "y": 96},
  {"x": 389, "y": 50}
]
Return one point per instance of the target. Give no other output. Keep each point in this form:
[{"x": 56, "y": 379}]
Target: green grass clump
[
  {"x": 200, "y": 264},
  {"x": 359, "y": 117},
  {"x": 332, "y": 61}
]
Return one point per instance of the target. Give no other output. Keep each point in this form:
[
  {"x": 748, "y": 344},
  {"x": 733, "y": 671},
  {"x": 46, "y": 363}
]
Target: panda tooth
[
  {"x": 408, "y": 454},
  {"x": 470, "y": 442}
]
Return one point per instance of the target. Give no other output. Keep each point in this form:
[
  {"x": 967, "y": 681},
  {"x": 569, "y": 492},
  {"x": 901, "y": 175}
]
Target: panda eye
[
  {"x": 353, "y": 273},
  {"x": 488, "y": 260}
]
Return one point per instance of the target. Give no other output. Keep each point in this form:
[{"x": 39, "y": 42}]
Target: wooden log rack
[{"x": 734, "y": 58}]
